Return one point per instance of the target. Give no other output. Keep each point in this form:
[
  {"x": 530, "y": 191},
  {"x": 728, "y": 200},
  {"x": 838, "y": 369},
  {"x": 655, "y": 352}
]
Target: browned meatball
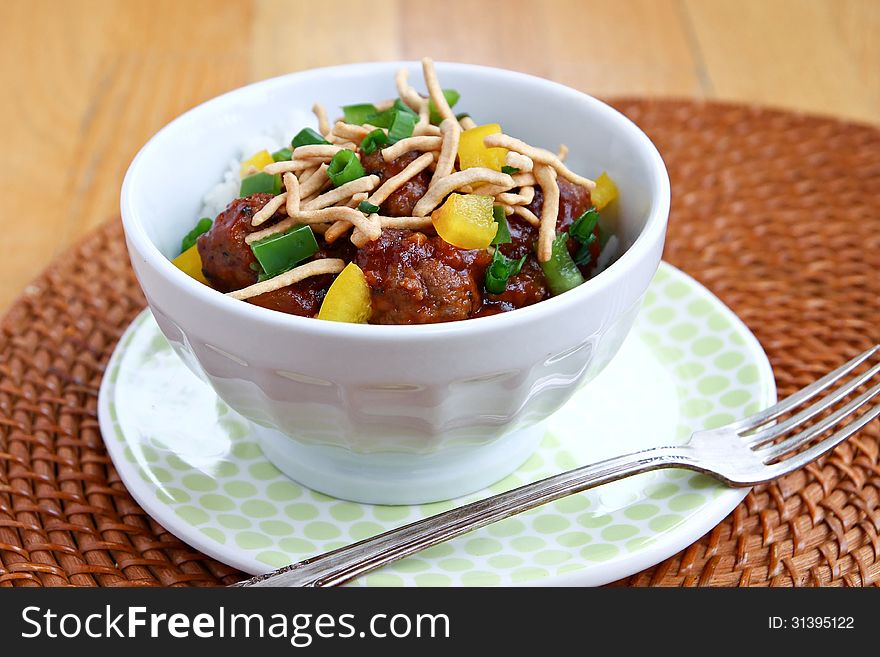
[
  {"x": 527, "y": 287},
  {"x": 342, "y": 249},
  {"x": 523, "y": 237},
  {"x": 227, "y": 260},
  {"x": 402, "y": 201},
  {"x": 415, "y": 279},
  {"x": 303, "y": 298}
]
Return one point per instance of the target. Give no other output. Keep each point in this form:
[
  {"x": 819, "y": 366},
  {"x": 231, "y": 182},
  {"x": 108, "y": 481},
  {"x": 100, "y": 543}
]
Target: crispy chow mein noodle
[
  {"x": 435, "y": 91},
  {"x": 321, "y": 115},
  {"x": 291, "y": 184},
  {"x": 355, "y": 200},
  {"x": 519, "y": 162},
  {"x": 313, "y": 268},
  {"x": 546, "y": 176},
  {"x": 443, "y": 217},
  {"x": 423, "y": 144},
  {"x": 315, "y": 182},
  {"x": 343, "y": 193},
  {"x": 467, "y": 123},
  {"x": 440, "y": 188},
  {"x": 293, "y": 166},
  {"x": 526, "y": 214},
  {"x": 407, "y": 94},
  {"x": 269, "y": 209},
  {"x": 316, "y": 152},
  {"x": 450, "y": 132},
  {"x": 349, "y": 131}
]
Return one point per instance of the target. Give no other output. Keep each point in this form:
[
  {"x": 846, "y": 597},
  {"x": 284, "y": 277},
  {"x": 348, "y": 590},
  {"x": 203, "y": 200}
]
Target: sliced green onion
[
  {"x": 358, "y": 114},
  {"x": 385, "y": 118},
  {"x": 583, "y": 255},
  {"x": 403, "y": 107},
  {"x": 400, "y": 106},
  {"x": 399, "y": 119},
  {"x": 560, "y": 271},
  {"x": 451, "y": 96},
  {"x": 282, "y": 155},
  {"x": 499, "y": 270},
  {"x": 381, "y": 119},
  {"x": 583, "y": 228},
  {"x": 502, "y": 235},
  {"x": 307, "y": 137},
  {"x": 260, "y": 183},
  {"x": 278, "y": 253},
  {"x": 374, "y": 140},
  {"x": 344, "y": 167},
  {"x": 509, "y": 170},
  {"x": 402, "y": 126},
  {"x": 368, "y": 208},
  {"x": 189, "y": 240}
]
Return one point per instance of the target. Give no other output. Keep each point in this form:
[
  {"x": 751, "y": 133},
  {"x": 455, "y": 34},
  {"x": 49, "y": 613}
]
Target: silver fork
[{"x": 750, "y": 451}]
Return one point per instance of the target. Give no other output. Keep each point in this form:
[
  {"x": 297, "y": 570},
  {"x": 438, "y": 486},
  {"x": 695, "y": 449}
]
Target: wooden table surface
[{"x": 87, "y": 82}]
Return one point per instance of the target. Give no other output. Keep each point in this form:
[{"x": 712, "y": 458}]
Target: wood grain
[
  {"x": 87, "y": 82},
  {"x": 808, "y": 54}
]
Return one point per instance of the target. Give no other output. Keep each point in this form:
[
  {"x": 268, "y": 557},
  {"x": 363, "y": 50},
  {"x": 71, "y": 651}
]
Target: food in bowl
[
  {"x": 394, "y": 414},
  {"x": 403, "y": 212}
]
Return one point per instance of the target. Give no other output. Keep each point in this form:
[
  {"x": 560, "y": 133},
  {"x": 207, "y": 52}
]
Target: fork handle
[{"x": 346, "y": 563}]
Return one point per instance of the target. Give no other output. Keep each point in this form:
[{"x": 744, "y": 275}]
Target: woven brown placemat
[{"x": 778, "y": 214}]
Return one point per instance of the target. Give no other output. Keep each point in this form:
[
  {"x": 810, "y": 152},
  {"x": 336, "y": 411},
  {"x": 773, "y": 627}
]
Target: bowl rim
[{"x": 653, "y": 230}]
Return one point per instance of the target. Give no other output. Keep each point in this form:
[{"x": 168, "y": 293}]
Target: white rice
[
  {"x": 608, "y": 254},
  {"x": 224, "y": 192}
]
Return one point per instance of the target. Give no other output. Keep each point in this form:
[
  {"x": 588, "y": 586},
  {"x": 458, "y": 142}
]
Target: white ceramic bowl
[{"x": 395, "y": 414}]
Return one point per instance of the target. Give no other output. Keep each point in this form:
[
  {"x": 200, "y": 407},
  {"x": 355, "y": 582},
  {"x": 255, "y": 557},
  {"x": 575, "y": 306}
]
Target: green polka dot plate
[{"x": 689, "y": 364}]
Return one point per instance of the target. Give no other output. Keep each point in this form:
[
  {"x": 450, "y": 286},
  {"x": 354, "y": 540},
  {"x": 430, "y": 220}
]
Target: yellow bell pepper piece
[
  {"x": 190, "y": 263},
  {"x": 348, "y": 299},
  {"x": 256, "y": 161},
  {"x": 605, "y": 192},
  {"x": 466, "y": 221},
  {"x": 472, "y": 152}
]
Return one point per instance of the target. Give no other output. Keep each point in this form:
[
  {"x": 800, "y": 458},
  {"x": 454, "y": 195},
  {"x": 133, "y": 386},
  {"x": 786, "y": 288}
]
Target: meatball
[
  {"x": 527, "y": 287},
  {"x": 303, "y": 298},
  {"x": 415, "y": 279},
  {"x": 402, "y": 201},
  {"x": 227, "y": 260},
  {"x": 523, "y": 237}
]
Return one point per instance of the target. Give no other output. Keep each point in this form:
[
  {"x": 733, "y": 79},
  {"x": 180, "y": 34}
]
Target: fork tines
[{"x": 763, "y": 438}]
